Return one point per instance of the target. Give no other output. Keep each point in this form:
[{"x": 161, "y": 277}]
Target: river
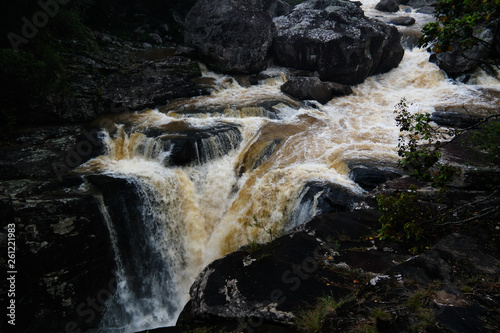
[{"x": 247, "y": 181}]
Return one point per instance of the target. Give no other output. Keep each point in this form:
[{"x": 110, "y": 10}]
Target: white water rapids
[{"x": 202, "y": 211}]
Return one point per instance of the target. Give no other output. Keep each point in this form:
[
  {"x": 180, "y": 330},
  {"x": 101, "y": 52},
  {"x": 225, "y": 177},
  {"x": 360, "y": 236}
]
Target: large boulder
[
  {"x": 271, "y": 283},
  {"x": 321, "y": 197},
  {"x": 402, "y": 20},
  {"x": 312, "y": 88},
  {"x": 388, "y": 6},
  {"x": 334, "y": 38},
  {"x": 422, "y": 6},
  {"x": 232, "y": 36},
  {"x": 64, "y": 257},
  {"x": 460, "y": 60},
  {"x": 369, "y": 176},
  {"x": 188, "y": 145}
]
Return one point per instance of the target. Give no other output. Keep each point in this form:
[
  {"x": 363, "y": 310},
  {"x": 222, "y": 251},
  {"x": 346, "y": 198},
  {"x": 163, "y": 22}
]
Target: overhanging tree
[{"x": 463, "y": 25}]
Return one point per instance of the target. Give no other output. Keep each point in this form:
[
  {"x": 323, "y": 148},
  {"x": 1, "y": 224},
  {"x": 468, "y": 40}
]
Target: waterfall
[{"x": 184, "y": 184}]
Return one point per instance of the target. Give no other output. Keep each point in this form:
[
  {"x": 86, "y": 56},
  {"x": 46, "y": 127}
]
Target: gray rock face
[
  {"x": 150, "y": 83},
  {"x": 64, "y": 257},
  {"x": 189, "y": 145},
  {"x": 459, "y": 61},
  {"x": 402, "y": 20},
  {"x": 269, "y": 283},
  {"x": 388, "y": 6},
  {"x": 335, "y": 39},
  {"x": 422, "y": 6},
  {"x": 307, "y": 88},
  {"x": 118, "y": 80},
  {"x": 232, "y": 36}
]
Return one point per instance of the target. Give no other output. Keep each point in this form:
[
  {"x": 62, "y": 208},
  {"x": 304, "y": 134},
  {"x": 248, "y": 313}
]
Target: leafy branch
[
  {"x": 271, "y": 232},
  {"x": 405, "y": 215},
  {"x": 465, "y": 24},
  {"x": 422, "y": 160}
]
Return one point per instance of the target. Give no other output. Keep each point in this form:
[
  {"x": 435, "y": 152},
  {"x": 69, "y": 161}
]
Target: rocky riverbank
[
  {"x": 64, "y": 256},
  {"x": 378, "y": 285}
]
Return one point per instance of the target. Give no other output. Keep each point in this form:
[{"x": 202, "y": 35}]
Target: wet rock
[
  {"x": 458, "y": 118},
  {"x": 390, "y": 6},
  {"x": 437, "y": 263},
  {"x": 461, "y": 60},
  {"x": 268, "y": 108},
  {"x": 318, "y": 198},
  {"x": 232, "y": 37},
  {"x": 402, "y": 20},
  {"x": 268, "y": 284},
  {"x": 47, "y": 153},
  {"x": 283, "y": 7},
  {"x": 253, "y": 158},
  {"x": 422, "y": 6},
  {"x": 151, "y": 83},
  {"x": 63, "y": 256},
  {"x": 119, "y": 80},
  {"x": 271, "y": 283},
  {"x": 263, "y": 285},
  {"x": 312, "y": 88},
  {"x": 335, "y": 39},
  {"x": 188, "y": 145},
  {"x": 369, "y": 177}
]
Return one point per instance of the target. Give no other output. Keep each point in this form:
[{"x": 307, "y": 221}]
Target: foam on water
[{"x": 216, "y": 203}]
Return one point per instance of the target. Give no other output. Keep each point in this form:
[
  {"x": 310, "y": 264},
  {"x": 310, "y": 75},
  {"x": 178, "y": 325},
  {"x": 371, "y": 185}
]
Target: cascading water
[{"x": 255, "y": 155}]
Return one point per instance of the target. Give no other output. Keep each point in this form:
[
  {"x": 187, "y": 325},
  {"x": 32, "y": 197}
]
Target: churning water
[{"x": 253, "y": 152}]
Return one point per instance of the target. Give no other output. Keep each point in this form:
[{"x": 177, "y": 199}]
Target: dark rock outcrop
[
  {"x": 63, "y": 259},
  {"x": 232, "y": 37},
  {"x": 318, "y": 198},
  {"x": 461, "y": 60},
  {"x": 115, "y": 77},
  {"x": 402, "y": 20},
  {"x": 189, "y": 145},
  {"x": 335, "y": 39},
  {"x": 151, "y": 83},
  {"x": 312, "y": 88},
  {"x": 458, "y": 118},
  {"x": 272, "y": 282},
  {"x": 332, "y": 256},
  {"x": 390, "y": 6},
  {"x": 422, "y": 6},
  {"x": 369, "y": 177},
  {"x": 63, "y": 254}
]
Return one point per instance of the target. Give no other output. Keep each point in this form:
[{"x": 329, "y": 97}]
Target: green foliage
[
  {"x": 425, "y": 317},
  {"x": 401, "y": 217},
  {"x": 459, "y": 23},
  {"x": 419, "y": 146},
  {"x": 378, "y": 313},
  {"x": 253, "y": 246},
  {"x": 312, "y": 320},
  {"x": 272, "y": 232}
]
